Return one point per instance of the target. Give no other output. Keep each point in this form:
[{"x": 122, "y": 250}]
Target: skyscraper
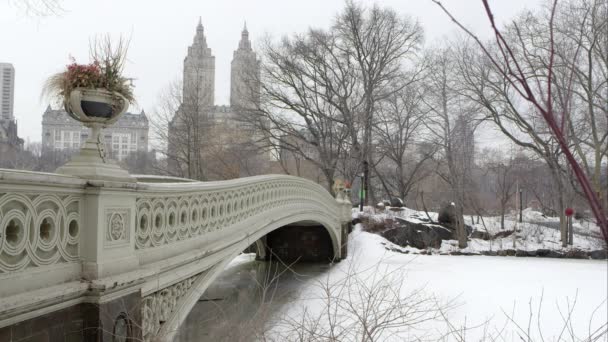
[
  {"x": 7, "y": 91},
  {"x": 199, "y": 72},
  {"x": 10, "y": 143},
  {"x": 244, "y": 75}
]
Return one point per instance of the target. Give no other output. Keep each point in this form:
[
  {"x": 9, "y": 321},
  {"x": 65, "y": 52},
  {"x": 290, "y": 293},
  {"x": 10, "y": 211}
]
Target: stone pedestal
[{"x": 92, "y": 163}]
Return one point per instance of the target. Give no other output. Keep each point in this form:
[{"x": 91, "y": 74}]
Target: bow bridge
[{"x": 126, "y": 259}]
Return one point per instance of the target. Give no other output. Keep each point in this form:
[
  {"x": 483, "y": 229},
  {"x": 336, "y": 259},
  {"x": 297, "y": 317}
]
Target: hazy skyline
[{"x": 160, "y": 33}]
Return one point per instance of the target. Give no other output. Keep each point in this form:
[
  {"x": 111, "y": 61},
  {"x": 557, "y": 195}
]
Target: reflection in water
[{"x": 243, "y": 299}]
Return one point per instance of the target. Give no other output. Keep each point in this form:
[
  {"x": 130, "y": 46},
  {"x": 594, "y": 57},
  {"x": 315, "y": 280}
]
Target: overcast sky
[{"x": 161, "y": 31}]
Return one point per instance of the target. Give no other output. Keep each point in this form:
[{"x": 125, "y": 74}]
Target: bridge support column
[
  {"x": 115, "y": 320},
  {"x": 345, "y": 230},
  {"x": 261, "y": 252},
  {"x": 345, "y": 207}
]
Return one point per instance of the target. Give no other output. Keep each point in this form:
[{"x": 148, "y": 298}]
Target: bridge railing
[
  {"x": 56, "y": 228},
  {"x": 205, "y": 213},
  {"x": 41, "y": 227}
]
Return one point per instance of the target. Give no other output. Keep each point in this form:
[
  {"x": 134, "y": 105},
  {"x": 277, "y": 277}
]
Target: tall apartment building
[
  {"x": 10, "y": 143},
  {"x": 61, "y": 133},
  {"x": 7, "y": 91}
]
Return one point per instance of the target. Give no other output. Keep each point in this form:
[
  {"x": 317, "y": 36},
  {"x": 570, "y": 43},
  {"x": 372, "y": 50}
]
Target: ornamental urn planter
[
  {"x": 96, "y": 109},
  {"x": 96, "y": 106}
]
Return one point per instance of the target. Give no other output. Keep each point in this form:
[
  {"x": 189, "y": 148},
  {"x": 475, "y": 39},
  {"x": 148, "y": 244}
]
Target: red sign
[{"x": 569, "y": 211}]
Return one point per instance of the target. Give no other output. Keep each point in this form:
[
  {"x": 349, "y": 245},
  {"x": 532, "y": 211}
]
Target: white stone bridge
[{"x": 106, "y": 260}]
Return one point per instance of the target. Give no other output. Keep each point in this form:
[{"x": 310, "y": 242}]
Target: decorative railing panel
[
  {"x": 167, "y": 218},
  {"x": 38, "y": 230},
  {"x": 158, "y": 307}
]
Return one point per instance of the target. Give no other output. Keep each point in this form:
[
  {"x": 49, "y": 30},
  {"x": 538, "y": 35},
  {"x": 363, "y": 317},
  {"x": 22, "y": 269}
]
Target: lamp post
[
  {"x": 521, "y": 206},
  {"x": 569, "y": 212},
  {"x": 361, "y": 176}
]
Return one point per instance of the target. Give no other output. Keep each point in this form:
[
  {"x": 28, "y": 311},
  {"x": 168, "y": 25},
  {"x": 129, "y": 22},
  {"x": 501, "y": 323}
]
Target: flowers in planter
[{"x": 104, "y": 72}]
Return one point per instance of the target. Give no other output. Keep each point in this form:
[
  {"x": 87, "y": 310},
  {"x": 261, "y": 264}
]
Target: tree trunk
[{"x": 460, "y": 229}]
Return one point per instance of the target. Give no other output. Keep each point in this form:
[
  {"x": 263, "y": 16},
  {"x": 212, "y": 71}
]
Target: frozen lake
[{"x": 482, "y": 292}]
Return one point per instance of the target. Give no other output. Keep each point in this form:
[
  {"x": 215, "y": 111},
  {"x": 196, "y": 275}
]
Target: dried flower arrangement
[{"x": 105, "y": 72}]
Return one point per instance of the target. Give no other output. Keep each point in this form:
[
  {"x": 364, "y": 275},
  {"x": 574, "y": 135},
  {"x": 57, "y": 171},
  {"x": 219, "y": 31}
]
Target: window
[
  {"x": 67, "y": 139},
  {"x": 123, "y": 144}
]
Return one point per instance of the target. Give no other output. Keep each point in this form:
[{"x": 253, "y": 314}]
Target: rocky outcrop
[
  {"x": 478, "y": 234},
  {"x": 447, "y": 217},
  {"x": 396, "y": 202},
  {"x": 418, "y": 235},
  {"x": 447, "y": 214},
  {"x": 600, "y": 254}
]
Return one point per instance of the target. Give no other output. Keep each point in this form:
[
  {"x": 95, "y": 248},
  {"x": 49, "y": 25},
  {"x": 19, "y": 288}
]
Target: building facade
[{"x": 61, "y": 133}]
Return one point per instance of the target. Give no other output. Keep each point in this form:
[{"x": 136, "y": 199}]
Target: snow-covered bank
[
  {"x": 536, "y": 232},
  {"x": 488, "y": 292}
]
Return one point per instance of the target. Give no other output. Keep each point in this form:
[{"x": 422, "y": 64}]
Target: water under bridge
[{"x": 111, "y": 260}]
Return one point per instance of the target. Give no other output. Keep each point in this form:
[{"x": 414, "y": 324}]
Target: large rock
[
  {"x": 599, "y": 254},
  {"x": 576, "y": 254},
  {"x": 447, "y": 214},
  {"x": 448, "y": 217},
  {"x": 548, "y": 253},
  {"x": 478, "y": 234},
  {"x": 396, "y": 202},
  {"x": 417, "y": 235},
  {"x": 502, "y": 234}
]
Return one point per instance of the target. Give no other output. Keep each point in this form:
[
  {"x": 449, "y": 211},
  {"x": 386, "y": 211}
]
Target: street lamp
[
  {"x": 361, "y": 190},
  {"x": 521, "y": 202}
]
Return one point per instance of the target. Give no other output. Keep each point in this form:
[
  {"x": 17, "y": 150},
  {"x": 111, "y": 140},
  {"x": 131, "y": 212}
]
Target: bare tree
[
  {"x": 38, "y": 8},
  {"x": 320, "y": 89},
  {"x": 518, "y": 121},
  {"x": 534, "y": 84},
  {"x": 179, "y": 127},
  {"x": 376, "y": 42},
  {"x": 581, "y": 50},
  {"x": 503, "y": 179},
  {"x": 294, "y": 113},
  {"x": 451, "y": 123},
  {"x": 398, "y": 130}
]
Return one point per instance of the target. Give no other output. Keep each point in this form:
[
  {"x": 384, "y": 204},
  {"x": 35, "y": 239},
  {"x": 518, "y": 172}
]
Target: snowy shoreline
[{"x": 535, "y": 237}]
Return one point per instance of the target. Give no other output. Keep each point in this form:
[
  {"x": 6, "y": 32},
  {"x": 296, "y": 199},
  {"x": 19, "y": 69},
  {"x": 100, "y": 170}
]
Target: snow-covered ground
[
  {"x": 479, "y": 292},
  {"x": 535, "y": 232}
]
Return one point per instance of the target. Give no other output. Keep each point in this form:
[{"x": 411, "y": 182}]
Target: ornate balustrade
[
  {"x": 65, "y": 240},
  {"x": 40, "y": 227},
  {"x": 170, "y": 213}
]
